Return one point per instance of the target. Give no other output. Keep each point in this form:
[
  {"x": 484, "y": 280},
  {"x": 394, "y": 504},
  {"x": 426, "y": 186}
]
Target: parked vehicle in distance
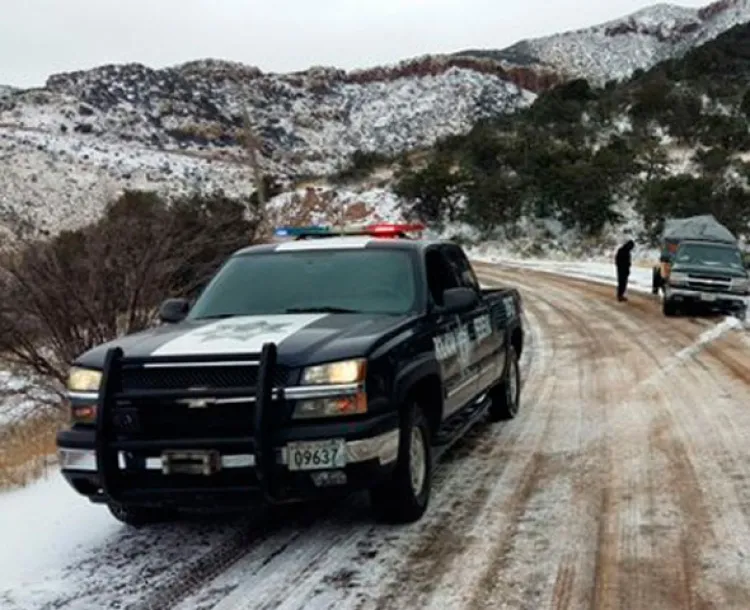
[{"x": 701, "y": 264}]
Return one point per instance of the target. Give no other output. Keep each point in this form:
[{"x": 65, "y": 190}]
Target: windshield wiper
[
  {"x": 321, "y": 309},
  {"x": 217, "y": 316}
]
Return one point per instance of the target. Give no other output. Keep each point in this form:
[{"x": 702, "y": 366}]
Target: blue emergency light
[{"x": 296, "y": 231}]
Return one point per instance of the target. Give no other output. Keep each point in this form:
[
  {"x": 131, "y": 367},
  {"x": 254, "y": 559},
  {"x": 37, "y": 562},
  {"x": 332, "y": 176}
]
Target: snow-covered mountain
[
  {"x": 68, "y": 147},
  {"x": 615, "y": 49},
  {"x": 87, "y": 134}
]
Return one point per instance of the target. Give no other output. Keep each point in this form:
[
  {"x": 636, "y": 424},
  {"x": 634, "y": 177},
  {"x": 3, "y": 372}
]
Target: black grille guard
[{"x": 266, "y": 418}]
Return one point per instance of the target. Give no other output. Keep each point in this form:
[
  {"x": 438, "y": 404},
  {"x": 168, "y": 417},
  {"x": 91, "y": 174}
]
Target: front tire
[
  {"x": 669, "y": 308},
  {"x": 404, "y": 497},
  {"x": 139, "y": 516},
  {"x": 506, "y": 396}
]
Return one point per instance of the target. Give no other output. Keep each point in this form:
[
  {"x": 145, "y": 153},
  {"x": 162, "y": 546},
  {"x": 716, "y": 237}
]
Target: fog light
[
  {"x": 331, "y": 407},
  {"x": 77, "y": 459},
  {"x": 328, "y": 478}
]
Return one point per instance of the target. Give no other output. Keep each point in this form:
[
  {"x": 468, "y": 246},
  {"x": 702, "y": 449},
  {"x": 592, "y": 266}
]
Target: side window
[
  {"x": 461, "y": 267},
  {"x": 440, "y": 276}
]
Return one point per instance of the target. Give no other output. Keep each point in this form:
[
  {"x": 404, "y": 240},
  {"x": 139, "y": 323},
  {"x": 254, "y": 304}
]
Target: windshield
[
  {"x": 366, "y": 281},
  {"x": 709, "y": 255}
]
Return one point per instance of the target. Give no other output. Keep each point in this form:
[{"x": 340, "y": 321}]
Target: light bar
[{"x": 380, "y": 229}]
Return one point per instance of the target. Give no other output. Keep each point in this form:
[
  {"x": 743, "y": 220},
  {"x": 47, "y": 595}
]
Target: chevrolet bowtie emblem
[{"x": 199, "y": 403}]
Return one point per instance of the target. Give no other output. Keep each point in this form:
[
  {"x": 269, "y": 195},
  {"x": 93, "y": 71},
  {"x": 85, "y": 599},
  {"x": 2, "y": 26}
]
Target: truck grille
[
  {"x": 183, "y": 377},
  {"x": 707, "y": 283},
  {"x": 164, "y": 420},
  {"x": 170, "y": 418}
]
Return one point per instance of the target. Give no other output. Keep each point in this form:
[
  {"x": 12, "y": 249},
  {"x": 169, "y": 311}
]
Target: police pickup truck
[{"x": 327, "y": 361}]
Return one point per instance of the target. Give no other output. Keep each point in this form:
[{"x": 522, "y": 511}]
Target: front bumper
[
  {"x": 715, "y": 299},
  {"x": 371, "y": 450}
]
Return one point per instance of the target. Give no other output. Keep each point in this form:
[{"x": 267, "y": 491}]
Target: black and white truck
[{"x": 327, "y": 362}]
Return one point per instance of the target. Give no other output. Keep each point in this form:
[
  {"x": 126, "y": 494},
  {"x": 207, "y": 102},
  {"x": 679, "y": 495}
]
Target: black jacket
[{"x": 622, "y": 258}]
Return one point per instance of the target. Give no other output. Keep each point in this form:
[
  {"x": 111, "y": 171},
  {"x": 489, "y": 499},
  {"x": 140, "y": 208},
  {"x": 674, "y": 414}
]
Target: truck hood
[
  {"x": 300, "y": 338},
  {"x": 711, "y": 270}
]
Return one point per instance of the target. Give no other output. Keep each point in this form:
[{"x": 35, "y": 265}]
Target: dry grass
[{"x": 27, "y": 448}]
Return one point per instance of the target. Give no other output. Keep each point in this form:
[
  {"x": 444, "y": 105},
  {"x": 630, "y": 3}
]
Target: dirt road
[{"x": 624, "y": 483}]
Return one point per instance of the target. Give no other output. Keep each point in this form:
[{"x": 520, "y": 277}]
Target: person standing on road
[{"x": 622, "y": 263}]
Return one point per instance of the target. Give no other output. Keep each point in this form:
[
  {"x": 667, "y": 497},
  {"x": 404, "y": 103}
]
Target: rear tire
[
  {"x": 506, "y": 395},
  {"x": 139, "y": 516},
  {"x": 404, "y": 497}
]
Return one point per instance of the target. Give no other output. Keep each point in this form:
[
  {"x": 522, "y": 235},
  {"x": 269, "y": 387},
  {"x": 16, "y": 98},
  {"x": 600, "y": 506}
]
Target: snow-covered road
[{"x": 624, "y": 483}]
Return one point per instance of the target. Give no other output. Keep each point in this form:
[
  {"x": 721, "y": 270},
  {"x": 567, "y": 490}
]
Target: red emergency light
[{"x": 389, "y": 229}]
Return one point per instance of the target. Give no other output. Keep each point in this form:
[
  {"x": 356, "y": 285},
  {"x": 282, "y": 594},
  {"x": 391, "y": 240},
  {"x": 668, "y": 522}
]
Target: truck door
[
  {"x": 489, "y": 340},
  {"x": 454, "y": 336}
]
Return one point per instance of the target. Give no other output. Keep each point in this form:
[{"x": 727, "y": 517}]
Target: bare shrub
[{"x": 64, "y": 295}]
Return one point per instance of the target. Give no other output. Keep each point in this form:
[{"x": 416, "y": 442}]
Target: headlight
[
  {"x": 84, "y": 380},
  {"x": 336, "y": 373},
  {"x": 332, "y": 402},
  {"x": 678, "y": 279},
  {"x": 740, "y": 285}
]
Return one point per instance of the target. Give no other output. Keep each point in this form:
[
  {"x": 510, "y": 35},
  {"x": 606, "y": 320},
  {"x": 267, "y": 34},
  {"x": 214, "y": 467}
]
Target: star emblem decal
[{"x": 241, "y": 331}]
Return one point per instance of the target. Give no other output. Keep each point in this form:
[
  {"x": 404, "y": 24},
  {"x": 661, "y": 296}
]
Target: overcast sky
[{"x": 42, "y": 37}]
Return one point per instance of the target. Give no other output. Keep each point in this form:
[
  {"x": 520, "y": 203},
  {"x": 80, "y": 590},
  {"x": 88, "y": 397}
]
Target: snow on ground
[
  {"x": 61, "y": 551},
  {"x": 44, "y": 527}
]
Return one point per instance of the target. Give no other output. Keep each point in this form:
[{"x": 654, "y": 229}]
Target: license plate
[
  {"x": 316, "y": 455},
  {"x": 203, "y": 463},
  {"x": 708, "y": 297}
]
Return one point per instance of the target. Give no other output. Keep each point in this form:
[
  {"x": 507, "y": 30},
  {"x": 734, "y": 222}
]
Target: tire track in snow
[
  {"x": 630, "y": 494},
  {"x": 518, "y": 460},
  {"x": 699, "y": 491},
  {"x": 588, "y": 465}
]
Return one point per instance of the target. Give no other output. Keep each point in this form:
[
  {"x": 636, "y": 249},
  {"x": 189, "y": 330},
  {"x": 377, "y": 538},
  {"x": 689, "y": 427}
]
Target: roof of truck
[
  {"x": 340, "y": 243},
  {"x": 703, "y": 227}
]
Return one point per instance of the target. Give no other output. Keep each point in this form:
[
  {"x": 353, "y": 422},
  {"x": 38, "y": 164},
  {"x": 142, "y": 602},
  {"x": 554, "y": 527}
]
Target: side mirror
[
  {"x": 174, "y": 310},
  {"x": 456, "y": 300}
]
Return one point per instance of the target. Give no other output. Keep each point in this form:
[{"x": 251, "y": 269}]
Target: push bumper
[{"x": 370, "y": 450}]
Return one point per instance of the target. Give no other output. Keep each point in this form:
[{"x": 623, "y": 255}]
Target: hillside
[
  {"x": 70, "y": 146},
  {"x": 89, "y": 133},
  {"x": 582, "y": 167},
  {"x": 615, "y": 49}
]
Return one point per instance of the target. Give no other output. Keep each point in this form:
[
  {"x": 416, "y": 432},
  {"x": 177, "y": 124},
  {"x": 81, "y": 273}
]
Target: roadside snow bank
[{"x": 595, "y": 271}]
